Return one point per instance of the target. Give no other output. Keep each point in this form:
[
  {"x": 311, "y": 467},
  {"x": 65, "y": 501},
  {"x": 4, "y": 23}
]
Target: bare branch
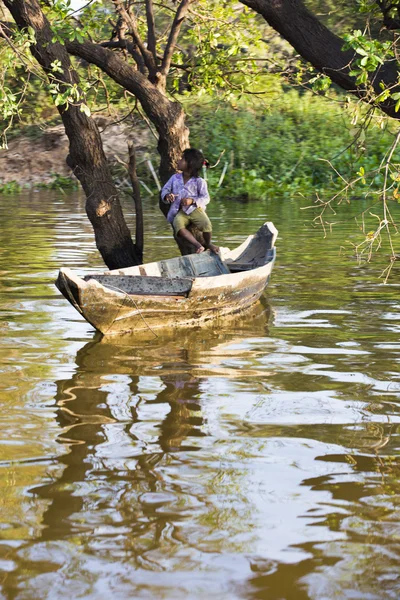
[
  {"x": 124, "y": 44},
  {"x": 151, "y": 29},
  {"x": 173, "y": 35},
  {"x": 139, "y": 237},
  {"x": 324, "y": 50},
  {"x": 129, "y": 19}
]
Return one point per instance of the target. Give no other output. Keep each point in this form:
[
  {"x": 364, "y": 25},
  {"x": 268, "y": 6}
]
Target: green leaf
[
  {"x": 59, "y": 100},
  {"x": 85, "y": 109},
  {"x": 383, "y": 96}
]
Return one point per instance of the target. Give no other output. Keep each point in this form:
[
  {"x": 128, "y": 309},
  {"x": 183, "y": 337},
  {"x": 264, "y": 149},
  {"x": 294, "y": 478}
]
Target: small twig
[
  {"x": 221, "y": 179},
  {"x": 139, "y": 236},
  {"x": 154, "y": 174},
  {"x": 151, "y": 29},
  {"x": 218, "y": 161},
  {"x": 146, "y": 187}
]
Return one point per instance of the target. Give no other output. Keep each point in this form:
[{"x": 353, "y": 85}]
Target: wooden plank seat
[
  {"x": 204, "y": 264},
  {"x": 144, "y": 286}
]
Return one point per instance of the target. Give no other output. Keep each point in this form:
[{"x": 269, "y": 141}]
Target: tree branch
[
  {"x": 124, "y": 44},
  {"x": 322, "y": 48},
  {"x": 173, "y": 35},
  {"x": 139, "y": 237},
  {"x": 151, "y": 30},
  {"x": 388, "y": 21},
  {"x": 86, "y": 157},
  {"x": 154, "y": 102},
  {"x": 167, "y": 117},
  {"x": 130, "y": 21}
]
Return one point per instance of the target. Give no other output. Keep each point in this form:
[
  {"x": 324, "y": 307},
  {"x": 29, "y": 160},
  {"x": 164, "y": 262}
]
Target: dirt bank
[{"x": 33, "y": 160}]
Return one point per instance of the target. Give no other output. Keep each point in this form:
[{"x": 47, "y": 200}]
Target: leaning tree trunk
[
  {"x": 168, "y": 117},
  {"x": 86, "y": 156}
]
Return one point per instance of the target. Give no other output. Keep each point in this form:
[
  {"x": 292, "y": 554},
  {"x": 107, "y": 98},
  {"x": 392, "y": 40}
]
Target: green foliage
[
  {"x": 59, "y": 13},
  {"x": 60, "y": 182},
  {"x": 223, "y": 49},
  {"x": 285, "y": 150},
  {"x": 371, "y": 53},
  {"x": 10, "y": 188}
]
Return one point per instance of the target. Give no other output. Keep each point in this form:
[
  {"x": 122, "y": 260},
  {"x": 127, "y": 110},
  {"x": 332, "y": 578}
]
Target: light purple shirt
[{"x": 195, "y": 188}]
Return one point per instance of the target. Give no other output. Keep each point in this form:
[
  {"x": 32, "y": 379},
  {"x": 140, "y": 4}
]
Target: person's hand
[
  {"x": 187, "y": 201},
  {"x": 169, "y": 198}
]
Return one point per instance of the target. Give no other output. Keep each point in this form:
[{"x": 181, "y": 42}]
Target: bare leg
[
  {"x": 209, "y": 245},
  {"x": 185, "y": 233}
]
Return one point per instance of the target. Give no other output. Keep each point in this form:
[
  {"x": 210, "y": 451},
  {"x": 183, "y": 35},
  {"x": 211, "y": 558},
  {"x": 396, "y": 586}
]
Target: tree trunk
[
  {"x": 168, "y": 117},
  {"x": 86, "y": 156},
  {"x": 322, "y": 48}
]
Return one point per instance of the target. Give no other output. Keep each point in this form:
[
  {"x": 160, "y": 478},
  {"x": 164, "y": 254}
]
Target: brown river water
[{"x": 256, "y": 458}]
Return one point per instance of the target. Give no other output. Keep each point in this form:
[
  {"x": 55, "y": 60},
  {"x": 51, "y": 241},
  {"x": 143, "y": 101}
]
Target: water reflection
[
  {"x": 160, "y": 474},
  {"x": 109, "y": 416},
  {"x": 256, "y": 458},
  {"x": 98, "y": 413}
]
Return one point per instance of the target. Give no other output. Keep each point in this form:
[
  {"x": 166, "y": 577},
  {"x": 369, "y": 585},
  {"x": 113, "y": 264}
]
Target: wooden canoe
[{"x": 184, "y": 291}]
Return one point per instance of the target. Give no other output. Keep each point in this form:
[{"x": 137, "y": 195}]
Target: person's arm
[
  {"x": 174, "y": 209},
  {"x": 203, "y": 197},
  {"x": 167, "y": 189}
]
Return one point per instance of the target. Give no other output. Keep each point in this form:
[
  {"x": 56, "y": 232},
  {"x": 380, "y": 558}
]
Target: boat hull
[{"x": 114, "y": 312}]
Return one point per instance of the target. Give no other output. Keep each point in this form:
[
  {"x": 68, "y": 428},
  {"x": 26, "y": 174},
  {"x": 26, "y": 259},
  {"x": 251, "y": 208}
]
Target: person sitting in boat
[{"x": 188, "y": 195}]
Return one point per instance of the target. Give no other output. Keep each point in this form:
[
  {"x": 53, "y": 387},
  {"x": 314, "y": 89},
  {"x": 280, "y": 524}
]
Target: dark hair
[{"x": 194, "y": 160}]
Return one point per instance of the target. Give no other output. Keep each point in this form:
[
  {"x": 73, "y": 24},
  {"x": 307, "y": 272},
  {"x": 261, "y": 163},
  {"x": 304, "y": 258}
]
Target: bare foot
[{"x": 199, "y": 249}]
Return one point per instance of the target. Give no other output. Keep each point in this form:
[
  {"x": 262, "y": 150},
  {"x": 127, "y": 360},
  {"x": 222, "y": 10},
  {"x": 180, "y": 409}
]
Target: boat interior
[{"x": 174, "y": 277}]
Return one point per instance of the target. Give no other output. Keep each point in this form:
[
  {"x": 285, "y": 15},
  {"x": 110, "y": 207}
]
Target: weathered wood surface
[
  {"x": 144, "y": 286},
  {"x": 214, "y": 291}
]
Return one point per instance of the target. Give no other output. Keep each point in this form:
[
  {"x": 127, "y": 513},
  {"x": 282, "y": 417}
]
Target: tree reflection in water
[{"x": 128, "y": 416}]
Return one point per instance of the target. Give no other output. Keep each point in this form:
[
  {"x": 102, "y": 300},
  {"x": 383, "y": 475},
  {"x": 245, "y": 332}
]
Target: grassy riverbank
[{"x": 280, "y": 145}]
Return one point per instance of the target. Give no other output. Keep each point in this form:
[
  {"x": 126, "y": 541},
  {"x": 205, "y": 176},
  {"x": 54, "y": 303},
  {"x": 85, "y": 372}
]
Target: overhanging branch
[{"x": 323, "y": 49}]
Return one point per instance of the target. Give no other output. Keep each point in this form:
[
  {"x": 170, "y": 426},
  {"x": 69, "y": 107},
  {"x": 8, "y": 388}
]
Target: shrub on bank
[{"x": 284, "y": 148}]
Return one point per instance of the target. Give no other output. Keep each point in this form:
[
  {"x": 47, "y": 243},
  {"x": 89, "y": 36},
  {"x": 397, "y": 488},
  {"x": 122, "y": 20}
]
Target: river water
[{"x": 257, "y": 458}]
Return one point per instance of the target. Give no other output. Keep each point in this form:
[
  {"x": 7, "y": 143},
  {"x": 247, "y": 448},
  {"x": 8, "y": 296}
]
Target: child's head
[{"x": 192, "y": 161}]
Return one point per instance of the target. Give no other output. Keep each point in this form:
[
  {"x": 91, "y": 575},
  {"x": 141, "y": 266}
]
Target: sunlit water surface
[{"x": 257, "y": 458}]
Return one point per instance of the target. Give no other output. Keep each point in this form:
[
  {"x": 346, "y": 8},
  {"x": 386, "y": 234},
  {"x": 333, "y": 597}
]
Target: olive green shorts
[{"x": 198, "y": 217}]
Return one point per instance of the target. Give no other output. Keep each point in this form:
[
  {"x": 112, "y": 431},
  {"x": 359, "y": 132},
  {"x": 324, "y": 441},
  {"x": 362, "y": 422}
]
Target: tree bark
[
  {"x": 86, "y": 156},
  {"x": 322, "y": 48}
]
